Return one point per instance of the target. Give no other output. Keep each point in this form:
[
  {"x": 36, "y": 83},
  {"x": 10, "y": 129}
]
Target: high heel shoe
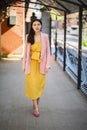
[{"x": 36, "y": 113}]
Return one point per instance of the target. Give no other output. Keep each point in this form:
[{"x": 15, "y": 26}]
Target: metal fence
[{"x": 72, "y": 63}]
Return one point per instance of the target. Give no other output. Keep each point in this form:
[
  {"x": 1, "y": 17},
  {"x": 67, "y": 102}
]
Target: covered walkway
[{"x": 62, "y": 106}]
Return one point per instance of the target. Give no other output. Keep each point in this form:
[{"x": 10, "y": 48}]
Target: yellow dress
[{"x": 35, "y": 81}]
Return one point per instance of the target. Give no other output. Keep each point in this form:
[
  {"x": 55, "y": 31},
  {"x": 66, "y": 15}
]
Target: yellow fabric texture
[{"x": 35, "y": 81}]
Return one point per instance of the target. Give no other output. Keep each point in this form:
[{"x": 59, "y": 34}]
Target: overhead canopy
[{"x": 69, "y": 6}]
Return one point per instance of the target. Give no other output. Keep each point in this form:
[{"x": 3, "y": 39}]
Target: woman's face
[{"x": 36, "y": 26}]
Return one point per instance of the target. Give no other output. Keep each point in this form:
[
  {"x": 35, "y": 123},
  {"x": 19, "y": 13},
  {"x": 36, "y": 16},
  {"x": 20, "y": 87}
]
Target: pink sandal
[{"x": 36, "y": 113}]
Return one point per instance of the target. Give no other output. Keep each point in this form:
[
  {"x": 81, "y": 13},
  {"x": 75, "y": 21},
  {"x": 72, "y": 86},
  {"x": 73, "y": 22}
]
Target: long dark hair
[{"x": 30, "y": 38}]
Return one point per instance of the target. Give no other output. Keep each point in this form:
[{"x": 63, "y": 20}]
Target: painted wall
[{"x": 12, "y": 35}]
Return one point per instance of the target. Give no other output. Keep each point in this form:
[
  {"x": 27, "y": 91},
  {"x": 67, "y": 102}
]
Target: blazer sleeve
[
  {"x": 25, "y": 53},
  {"x": 48, "y": 53}
]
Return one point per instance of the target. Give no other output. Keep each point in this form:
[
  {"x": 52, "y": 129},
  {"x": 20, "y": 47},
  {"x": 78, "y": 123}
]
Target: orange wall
[{"x": 12, "y": 35}]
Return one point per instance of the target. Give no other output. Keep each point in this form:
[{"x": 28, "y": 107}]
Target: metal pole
[
  {"x": 56, "y": 39},
  {"x": 64, "y": 57},
  {"x": 79, "y": 48}
]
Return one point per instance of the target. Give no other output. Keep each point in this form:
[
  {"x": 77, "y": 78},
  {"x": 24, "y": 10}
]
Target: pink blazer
[{"x": 45, "y": 55}]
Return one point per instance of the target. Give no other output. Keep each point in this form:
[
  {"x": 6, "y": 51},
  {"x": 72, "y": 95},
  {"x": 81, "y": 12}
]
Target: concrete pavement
[{"x": 62, "y": 106}]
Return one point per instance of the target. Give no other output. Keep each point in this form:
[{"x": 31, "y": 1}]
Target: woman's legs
[
  {"x": 35, "y": 106},
  {"x": 38, "y": 99},
  {"x": 36, "y": 103}
]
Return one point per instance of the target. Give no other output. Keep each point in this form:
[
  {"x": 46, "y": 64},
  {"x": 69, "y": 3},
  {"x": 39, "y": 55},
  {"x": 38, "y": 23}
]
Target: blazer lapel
[{"x": 42, "y": 48}]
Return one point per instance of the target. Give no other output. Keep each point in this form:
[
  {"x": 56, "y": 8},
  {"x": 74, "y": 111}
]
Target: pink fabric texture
[{"x": 45, "y": 55}]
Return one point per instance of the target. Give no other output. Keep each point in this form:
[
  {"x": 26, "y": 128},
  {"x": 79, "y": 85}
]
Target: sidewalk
[{"x": 62, "y": 106}]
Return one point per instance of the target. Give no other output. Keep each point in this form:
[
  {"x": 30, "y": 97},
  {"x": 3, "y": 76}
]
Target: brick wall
[{"x": 12, "y": 35}]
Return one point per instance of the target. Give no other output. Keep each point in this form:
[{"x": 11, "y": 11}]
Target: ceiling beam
[
  {"x": 85, "y": 5},
  {"x": 71, "y": 2},
  {"x": 24, "y": 7},
  {"x": 44, "y": 5},
  {"x": 49, "y": 6},
  {"x": 62, "y": 6},
  {"x": 8, "y": 4}
]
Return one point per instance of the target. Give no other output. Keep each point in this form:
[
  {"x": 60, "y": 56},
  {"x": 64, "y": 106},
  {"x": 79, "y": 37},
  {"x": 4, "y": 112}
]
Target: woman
[{"x": 36, "y": 63}]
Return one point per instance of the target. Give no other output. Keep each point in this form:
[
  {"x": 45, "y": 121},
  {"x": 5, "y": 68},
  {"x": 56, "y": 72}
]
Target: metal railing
[{"x": 72, "y": 63}]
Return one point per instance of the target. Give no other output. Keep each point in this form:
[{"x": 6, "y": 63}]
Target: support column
[
  {"x": 46, "y": 22},
  {"x": 56, "y": 39},
  {"x": 79, "y": 48},
  {"x": 64, "y": 56}
]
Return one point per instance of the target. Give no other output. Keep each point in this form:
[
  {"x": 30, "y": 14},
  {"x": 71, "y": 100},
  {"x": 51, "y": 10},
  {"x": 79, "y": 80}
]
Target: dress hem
[{"x": 32, "y": 98}]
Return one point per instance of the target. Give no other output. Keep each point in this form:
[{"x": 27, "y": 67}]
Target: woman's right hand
[
  {"x": 23, "y": 68},
  {"x": 46, "y": 69}
]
